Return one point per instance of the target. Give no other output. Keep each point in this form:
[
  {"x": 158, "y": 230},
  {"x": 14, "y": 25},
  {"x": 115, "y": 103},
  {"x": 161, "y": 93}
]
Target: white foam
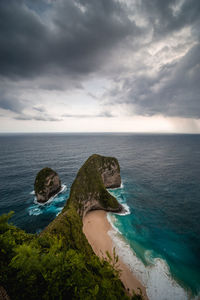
[
  {"x": 111, "y": 217},
  {"x": 59, "y": 211},
  {"x": 63, "y": 189},
  {"x": 32, "y": 193},
  {"x": 126, "y": 210},
  {"x": 121, "y": 201},
  {"x": 160, "y": 284},
  {"x": 156, "y": 277},
  {"x": 34, "y": 211}
]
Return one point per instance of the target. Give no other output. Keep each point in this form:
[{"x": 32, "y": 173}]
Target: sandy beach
[{"x": 95, "y": 228}]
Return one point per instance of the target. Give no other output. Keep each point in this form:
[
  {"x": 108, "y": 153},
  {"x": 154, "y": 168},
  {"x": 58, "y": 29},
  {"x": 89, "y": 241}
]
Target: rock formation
[
  {"x": 110, "y": 171},
  {"x": 88, "y": 191},
  {"x": 47, "y": 184}
]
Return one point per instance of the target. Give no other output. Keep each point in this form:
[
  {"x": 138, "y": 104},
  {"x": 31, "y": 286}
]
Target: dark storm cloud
[
  {"x": 61, "y": 43},
  {"x": 174, "y": 91},
  {"x": 170, "y": 15},
  {"x": 67, "y": 36},
  {"x": 22, "y": 39}
]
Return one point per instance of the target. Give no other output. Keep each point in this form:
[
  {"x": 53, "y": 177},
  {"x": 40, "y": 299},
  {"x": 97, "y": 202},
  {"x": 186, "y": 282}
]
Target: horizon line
[{"x": 97, "y": 132}]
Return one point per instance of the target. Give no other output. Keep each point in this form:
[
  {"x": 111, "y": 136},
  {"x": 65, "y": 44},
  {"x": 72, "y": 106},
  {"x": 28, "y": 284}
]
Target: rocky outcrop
[
  {"x": 47, "y": 184},
  {"x": 110, "y": 172},
  {"x": 88, "y": 191}
]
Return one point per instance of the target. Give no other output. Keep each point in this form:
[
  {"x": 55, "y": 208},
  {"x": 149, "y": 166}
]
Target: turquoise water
[
  {"x": 161, "y": 175},
  {"x": 163, "y": 252}
]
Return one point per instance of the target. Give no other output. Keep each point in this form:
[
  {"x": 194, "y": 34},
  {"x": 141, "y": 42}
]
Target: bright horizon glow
[{"x": 140, "y": 125}]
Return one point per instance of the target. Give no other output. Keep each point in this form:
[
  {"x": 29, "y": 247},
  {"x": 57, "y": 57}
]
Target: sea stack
[{"x": 47, "y": 184}]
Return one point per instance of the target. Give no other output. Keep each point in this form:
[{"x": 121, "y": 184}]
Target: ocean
[{"x": 159, "y": 236}]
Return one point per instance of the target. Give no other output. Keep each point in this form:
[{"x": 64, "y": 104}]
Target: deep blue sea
[{"x": 160, "y": 236}]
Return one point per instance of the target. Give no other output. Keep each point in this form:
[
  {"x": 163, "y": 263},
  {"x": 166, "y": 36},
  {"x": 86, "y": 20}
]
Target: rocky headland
[
  {"x": 88, "y": 191},
  {"x": 47, "y": 184}
]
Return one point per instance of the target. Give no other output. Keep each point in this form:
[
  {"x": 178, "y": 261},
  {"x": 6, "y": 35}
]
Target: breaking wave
[
  {"x": 155, "y": 277},
  {"x": 53, "y": 206}
]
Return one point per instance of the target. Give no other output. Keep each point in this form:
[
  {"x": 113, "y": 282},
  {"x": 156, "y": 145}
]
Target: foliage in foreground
[{"x": 43, "y": 267}]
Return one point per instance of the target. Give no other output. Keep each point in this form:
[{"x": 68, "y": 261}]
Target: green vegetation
[
  {"x": 69, "y": 225},
  {"x": 41, "y": 178},
  {"x": 47, "y": 267},
  {"x": 89, "y": 183}
]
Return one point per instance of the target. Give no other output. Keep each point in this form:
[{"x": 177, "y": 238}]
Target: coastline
[{"x": 95, "y": 228}]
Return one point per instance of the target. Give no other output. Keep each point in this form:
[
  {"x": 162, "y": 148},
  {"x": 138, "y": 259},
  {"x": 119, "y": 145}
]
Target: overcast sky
[{"x": 100, "y": 65}]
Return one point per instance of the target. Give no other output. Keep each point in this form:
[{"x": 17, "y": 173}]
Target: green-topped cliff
[
  {"x": 59, "y": 263},
  {"x": 88, "y": 191}
]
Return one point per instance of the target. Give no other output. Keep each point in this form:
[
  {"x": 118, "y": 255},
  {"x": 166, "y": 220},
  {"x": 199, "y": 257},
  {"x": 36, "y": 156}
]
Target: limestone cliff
[
  {"x": 109, "y": 170},
  {"x": 47, "y": 184},
  {"x": 88, "y": 191}
]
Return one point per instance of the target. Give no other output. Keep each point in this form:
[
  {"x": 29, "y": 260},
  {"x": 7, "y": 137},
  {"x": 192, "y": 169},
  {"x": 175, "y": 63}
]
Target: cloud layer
[
  {"x": 70, "y": 37},
  {"x": 147, "y": 53}
]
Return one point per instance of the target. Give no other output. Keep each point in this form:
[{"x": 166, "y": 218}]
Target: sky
[{"x": 100, "y": 66}]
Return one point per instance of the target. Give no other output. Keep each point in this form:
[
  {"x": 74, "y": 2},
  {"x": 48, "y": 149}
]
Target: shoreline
[{"x": 95, "y": 228}]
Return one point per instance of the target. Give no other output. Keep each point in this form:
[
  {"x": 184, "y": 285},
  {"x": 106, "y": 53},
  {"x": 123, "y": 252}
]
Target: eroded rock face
[
  {"x": 88, "y": 191},
  {"x": 110, "y": 173},
  {"x": 47, "y": 184}
]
